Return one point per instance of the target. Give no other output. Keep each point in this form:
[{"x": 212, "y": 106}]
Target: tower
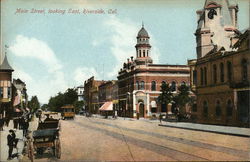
[
  {"x": 217, "y": 26},
  {"x": 143, "y": 48}
]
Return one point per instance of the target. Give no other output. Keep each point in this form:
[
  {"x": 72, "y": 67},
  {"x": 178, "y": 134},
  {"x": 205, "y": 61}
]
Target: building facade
[
  {"x": 80, "y": 93},
  {"x": 139, "y": 81},
  {"x": 6, "y": 107},
  {"x": 220, "y": 74}
]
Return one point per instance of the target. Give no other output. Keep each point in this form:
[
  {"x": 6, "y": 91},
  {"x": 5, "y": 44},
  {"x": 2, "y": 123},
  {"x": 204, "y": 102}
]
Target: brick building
[
  {"x": 139, "y": 81},
  {"x": 91, "y": 94},
  {"x": 220, "y": 74}
]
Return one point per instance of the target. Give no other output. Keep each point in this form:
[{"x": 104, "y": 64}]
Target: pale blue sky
[{"x": 53, "y": 51}]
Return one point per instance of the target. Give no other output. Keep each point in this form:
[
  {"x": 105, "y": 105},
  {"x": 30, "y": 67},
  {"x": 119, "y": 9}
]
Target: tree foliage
[
  {"x": 166, "y": 95},
  {"x": 69, "y": 97},
  {"x": 34, "y": 104},
  {"x": 182, "y": 98},
  {"x": 78, "y": 105}
]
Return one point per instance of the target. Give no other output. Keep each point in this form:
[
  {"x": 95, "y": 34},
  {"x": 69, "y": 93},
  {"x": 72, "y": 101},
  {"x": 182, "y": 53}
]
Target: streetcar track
[
  {"x": 163, "y": 150},
  {"x": 231, "y": 151}
]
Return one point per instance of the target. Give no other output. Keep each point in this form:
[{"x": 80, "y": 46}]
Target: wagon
[{"x": 46, "y": 136}]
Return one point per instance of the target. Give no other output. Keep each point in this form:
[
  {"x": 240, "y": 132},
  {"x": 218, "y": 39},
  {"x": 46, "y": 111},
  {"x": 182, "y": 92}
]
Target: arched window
[
  {"x": 201, "y": 76},
  {"x": 173, "y": 86},
  {"x": 229, "y": 71},
  {"x": 205, "y": 75},
  {"x": 244, "y": 69},
  {"x": 205, "y": 108},
  {"x": 153, "y": 86},
  {"x": 221, "y": 72},
  {"x": 229, "y": 108},
  {"x": 137, "y": 85},
  {"x": 142, "y": 85},
  {"x": 218, "y": 109},
  {"x": 215, "y": 73}
]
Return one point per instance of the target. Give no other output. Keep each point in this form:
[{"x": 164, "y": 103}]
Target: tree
[
  {"x": 78, "y": 106},
  {"x": 182, "y": 98},
  {"x": 166, "y": 96},
  {"x": 34, "y": 104},
  {"x": 45, "y": 107}
]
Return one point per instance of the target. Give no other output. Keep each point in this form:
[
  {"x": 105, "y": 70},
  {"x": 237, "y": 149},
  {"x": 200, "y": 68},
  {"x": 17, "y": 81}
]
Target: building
[
  {"x": 108, "y": 97},
  {"x": 20, "y": 102},
  {"x": 220, "y": 74},
  {"x": 80, "y": 93},
  {"x": 6, "y": 107},
  {"x": 139, "y": 81},
  {"x": 91, "y": 94}
]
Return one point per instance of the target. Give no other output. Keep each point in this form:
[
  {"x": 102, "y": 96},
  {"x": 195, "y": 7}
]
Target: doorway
[{"x": 141, "y": 110}]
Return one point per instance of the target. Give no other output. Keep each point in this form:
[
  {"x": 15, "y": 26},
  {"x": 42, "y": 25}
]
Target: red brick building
[{"x": 139, "y": 81}]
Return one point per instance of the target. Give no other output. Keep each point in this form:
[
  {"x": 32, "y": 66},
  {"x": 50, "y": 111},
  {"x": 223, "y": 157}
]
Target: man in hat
[{"x": 11, "y": 142}]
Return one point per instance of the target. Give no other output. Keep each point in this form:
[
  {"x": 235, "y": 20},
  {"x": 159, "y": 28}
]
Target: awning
[{"x": 107, "y": 106}]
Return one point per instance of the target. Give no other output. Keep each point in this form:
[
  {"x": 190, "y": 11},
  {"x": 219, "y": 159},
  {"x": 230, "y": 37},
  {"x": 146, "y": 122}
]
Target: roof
[
  {"x": 142, "y": 32},
  {"x": 5, "y": 65}
]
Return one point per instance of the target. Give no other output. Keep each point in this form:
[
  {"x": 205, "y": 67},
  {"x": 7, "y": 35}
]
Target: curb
[{"x": 211, "y": 131}]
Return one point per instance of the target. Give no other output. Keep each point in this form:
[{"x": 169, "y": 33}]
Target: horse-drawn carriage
[{"x": 46, "y": 136}]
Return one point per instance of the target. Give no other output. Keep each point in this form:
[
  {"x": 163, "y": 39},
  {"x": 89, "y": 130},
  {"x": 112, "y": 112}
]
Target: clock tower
[{"x": 217, "y": 26}]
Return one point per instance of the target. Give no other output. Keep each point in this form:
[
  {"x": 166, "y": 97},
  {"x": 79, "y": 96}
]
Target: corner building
[
  {"x": 220, "y": 74},
  {"x": 139, "y": 81}
]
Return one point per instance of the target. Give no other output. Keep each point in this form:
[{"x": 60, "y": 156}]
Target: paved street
[{"x": 131, "y": 140}]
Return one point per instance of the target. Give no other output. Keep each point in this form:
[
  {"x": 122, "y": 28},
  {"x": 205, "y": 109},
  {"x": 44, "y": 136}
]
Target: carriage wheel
[
  {"x": 30, "y": 150},
  {"x": 57, "y": 149}
]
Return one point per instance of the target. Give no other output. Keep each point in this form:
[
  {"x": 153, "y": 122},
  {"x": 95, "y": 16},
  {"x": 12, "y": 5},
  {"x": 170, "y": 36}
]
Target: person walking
[
  {"x": 11, "y": 142},
  {"x": 160, "y": 118}
]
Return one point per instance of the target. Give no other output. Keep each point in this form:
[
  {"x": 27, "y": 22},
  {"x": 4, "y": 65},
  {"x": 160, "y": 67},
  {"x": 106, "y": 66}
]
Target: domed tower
[{"x": 143, "y": 48}]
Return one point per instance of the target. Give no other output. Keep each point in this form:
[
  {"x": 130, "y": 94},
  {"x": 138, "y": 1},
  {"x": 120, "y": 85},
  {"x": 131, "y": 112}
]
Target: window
[
  {"x": 221, "y": 72},
  {"x": 137, "y": 85},
  {"x": 194, "y": 77},
  {"x": 201, "y": 76},
  {"x": 215, "y": 73},
  {"x": 205, "y": 75},
  {"x": 9, "y": 92},
  {"x": 142, "y": 85},
  {"x": 153, "y": 86},
  {"x": 147, "y": 53},
  {"x": 229, "y": 71},
  {"x": 205, "y": 109},
  {"x": 244, "y": 69},
  {"x": 218, "y": 109},
  {"x": 229, "y": 108},
  {"x": 143, "y": 53},
  {"x": 139, "y": 53},
  {"x": 173, "y": 86},
  {"x": 1, "y": 92}
]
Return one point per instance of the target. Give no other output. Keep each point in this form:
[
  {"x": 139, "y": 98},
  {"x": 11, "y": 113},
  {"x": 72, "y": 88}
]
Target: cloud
[
  {"x": 83, "y": 73},
  {"x": 43, "y": 85},
  {"x": 123, "y": 40},
  {"x": 34, "y": 48}
]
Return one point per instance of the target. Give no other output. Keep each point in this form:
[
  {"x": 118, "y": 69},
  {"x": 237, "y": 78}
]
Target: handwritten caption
[{"x": 83, "y": 11}]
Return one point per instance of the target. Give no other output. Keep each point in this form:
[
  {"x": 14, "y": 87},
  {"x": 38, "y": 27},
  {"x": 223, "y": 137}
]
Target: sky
[{"x": 56, "y": 48}]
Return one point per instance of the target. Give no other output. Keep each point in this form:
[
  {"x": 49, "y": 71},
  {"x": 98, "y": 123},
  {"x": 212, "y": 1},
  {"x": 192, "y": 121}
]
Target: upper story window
[
  {"x": 9, "y": 92},
  {"x": 229, "y": 71},
  {"x": 201, "y": 76},
  {"x": 142, "y": 85},
  {"x": 194, "y": 77},
  {"x": 244, "y": 69},
  {"x": 137, "y": 85},
  {"x": 143, "y": 53},
  {"x": 221, "y": 72},
  {"x": 205, "y": 75},
  {"x": 173, "y": 86},
  {"x": 215, "y": 73},
  {"x": 1, "y": 92},
  {"x": 153, "y": 86}
]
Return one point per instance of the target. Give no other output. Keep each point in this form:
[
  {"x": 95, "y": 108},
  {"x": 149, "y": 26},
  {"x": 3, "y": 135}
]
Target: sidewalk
[
  {"x": 228, "y": 130},
  {"x": 3, "y": 143}
]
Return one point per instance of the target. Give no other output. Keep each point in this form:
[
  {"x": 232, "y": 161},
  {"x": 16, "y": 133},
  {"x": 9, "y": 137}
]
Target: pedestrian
[
  {"x": 160, "y": 118},
  {"x": 25, "y": 127},
  {"x": 15, "y": 121},
  {"x": 10, "y": 142}
]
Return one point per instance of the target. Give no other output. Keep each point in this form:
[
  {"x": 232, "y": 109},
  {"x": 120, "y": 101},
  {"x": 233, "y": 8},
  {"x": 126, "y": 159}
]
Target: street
[{"x": 92, "y": 139}]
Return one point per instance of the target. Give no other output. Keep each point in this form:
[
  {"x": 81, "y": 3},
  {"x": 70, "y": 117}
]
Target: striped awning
[{"x": 107, "y": 106}]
